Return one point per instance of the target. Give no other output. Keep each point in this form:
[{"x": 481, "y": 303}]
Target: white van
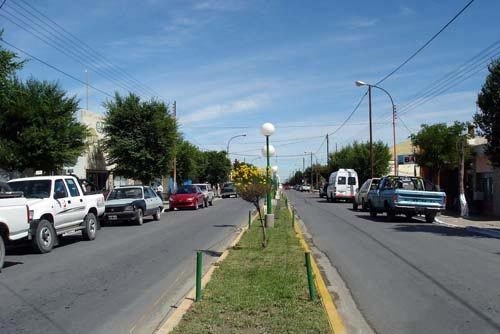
[{"x": 342, "y": 185}]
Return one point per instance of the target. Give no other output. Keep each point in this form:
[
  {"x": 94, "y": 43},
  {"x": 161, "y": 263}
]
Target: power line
[
  {"x": 426, "y": 43},
  {"x": 86, "y": 48},
  {"x": 350, "y": 115},
  {"x": 53, "y": 67},
  {"x": 22, "y": 24}
]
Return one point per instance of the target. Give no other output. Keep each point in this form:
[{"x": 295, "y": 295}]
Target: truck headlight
[{"x": 129, "y": 208}]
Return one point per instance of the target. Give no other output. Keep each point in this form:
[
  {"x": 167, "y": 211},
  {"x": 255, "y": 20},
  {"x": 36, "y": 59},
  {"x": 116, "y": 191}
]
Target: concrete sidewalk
[{"x": 489, "y": 226}]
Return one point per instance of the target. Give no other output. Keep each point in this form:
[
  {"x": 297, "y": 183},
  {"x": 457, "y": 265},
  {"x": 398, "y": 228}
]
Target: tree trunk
[
  {"x": 464, "y": 208},
  {"x": 438, "y": 180},
  {"x": 263, "y": 226}
]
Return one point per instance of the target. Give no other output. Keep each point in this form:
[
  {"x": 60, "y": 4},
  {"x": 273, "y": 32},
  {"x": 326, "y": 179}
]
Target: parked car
[
  {"x": 228, "y": 190},
  {"x": 322, "y": 190},
  {"x": 405, "y": 195},
  {"x": 305, "y": 187},
  {"x": 14, "y": 217},
  {"x": 58, "y": 206},
  {"x": 188, "y": 196},
  {"x": 342, "y": 184},
  {"x": 132, "y": 203},
  {"x": 361, "y": 197},
  {"x": 206, "y": 189}
]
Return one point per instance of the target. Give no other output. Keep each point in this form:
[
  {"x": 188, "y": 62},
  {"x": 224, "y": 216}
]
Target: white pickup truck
[
  {"x": 14, "y": 217},
  {"x": 57, "y": 206}
]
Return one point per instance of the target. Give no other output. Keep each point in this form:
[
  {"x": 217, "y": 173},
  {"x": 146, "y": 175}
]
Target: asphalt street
[
  {"x": 408, "y": 277},
  {"x": 125, "y": 281}
]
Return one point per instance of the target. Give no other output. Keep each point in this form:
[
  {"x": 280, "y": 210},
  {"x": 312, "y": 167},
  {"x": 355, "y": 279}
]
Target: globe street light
[
  {"x": 360, "y": 83},
  {"x": 267, "y": 129}
]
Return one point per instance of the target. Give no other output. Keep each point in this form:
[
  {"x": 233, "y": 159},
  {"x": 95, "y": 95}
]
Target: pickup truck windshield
[
  {"x": 121, "y": 193},
  {"x": 32, "y": 188},
  {"x": 409, "y": 184}
]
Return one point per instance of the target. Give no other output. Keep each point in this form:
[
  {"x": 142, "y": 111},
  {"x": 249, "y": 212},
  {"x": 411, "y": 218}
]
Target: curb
[
  {"x": 472, "y": 229},
  {"x": 171, "y": 321},
  {"x": 334, "y": 319}
]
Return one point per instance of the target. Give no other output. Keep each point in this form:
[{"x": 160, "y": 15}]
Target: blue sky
[{"x": 233, "y": 65}]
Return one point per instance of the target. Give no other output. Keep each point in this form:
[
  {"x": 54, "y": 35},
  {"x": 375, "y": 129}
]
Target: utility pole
[
  {"x": 303, "y": 168},
  {"x": 371, "y": 133},
  {"x": 175, "y": 158},
  {"x": 311, "y": 171},
  {"x": 327, "y": 150}
]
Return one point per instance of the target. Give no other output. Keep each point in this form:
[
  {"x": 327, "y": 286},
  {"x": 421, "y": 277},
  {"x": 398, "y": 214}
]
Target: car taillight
[{"x": 29, "y": 214}]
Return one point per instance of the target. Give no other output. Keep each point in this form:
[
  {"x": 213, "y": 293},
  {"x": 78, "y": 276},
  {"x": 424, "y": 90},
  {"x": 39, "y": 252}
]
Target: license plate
[{"x": 112, "y": 217}]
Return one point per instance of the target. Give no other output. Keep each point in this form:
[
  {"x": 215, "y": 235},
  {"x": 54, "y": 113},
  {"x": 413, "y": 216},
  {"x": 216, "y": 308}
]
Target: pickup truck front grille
[{"x": 115, "y": 209}]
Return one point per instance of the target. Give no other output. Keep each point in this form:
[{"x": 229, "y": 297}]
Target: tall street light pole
[
  {"x": 229, "y": 142},
  {"x": 267, "y": 130},
  {"x": 361, "y": 83},
  {"x": 312, "y": 179}
]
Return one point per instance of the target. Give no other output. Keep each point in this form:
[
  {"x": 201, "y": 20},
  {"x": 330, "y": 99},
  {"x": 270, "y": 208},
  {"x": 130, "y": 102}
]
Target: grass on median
[{"x": 258, "y": 290}]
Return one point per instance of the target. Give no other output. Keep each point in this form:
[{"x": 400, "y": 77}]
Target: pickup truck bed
[{"x": 405, "y": 195}]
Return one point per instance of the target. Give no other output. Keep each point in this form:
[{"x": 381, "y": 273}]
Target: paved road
[
  {"x": 409, "y": 277},
  {"x": 124, "y": 281}
]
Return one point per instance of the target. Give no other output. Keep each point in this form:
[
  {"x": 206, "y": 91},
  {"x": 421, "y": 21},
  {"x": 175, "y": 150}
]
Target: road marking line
[{"x": 334, "y": 319}]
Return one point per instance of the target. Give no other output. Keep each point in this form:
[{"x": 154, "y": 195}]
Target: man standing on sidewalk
[{"x": 159, "y": 191}]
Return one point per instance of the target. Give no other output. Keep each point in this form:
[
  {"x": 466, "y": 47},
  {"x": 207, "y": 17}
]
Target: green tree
[
  {"x": 357, "y": 157},
  {"x": 217, "y": 167},
  {"x": 188, "y": 159},
  {"x": 438, "y": 147},
  {"x": 140, "y": 137},
  {"x": 488, "y": 118},
  {"x": 38, "y": 127},
  {"x": 9, "y": 64}
]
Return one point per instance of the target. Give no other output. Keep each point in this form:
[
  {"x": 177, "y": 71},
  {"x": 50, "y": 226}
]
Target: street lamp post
[
  {"x": 312, "y": 178},
  {"x": 229, "y": 141},
  {"x": 267, "y": 130},
  {"x": 361, "y": 83}
]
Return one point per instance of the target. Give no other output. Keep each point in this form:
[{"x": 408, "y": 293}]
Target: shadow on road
[
  {"x": 210, "y": 252},
  {"x": 438, "y": 229},
  {"x": 125, "y": 222},
  {"x": 225, "y": 225},
  {"x": 383, "y": 219},
  {"x": 8, "y": 264}
]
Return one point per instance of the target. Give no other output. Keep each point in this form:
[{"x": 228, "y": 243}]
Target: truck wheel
[
  {"x": 364, "y": 207},
  {"x": 354, "y": 205},
  {"x": 139, "y": 218},
  {"x": 90, "y": 229},
  {"x": 391, "y": 215},
  {"x": 205, "y": 204},
  {"x": 211, "y": 202},
  {"x": 2, "y": 252},
  {"x": 429, "y": 217},
  {"x": 157, "y": 215},
  {"x": 45, "y": 236}
]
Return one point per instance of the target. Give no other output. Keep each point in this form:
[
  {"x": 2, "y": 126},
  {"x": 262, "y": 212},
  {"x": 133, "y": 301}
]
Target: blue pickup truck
[{"x": 405, "y": 195}]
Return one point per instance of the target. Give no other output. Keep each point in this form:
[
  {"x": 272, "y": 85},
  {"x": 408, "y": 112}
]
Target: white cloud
[
  {"x": 360, "y": 22},
  {"x": 219, "y": 5},
  {"x": 224, "y": 110}
]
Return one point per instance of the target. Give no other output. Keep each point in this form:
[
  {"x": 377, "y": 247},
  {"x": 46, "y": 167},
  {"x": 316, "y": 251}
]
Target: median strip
[{"x": 259, "y": 290}]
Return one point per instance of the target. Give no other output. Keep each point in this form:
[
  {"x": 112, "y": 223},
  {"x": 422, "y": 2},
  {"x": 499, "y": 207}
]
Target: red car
[{"x": 187, "y": 197}]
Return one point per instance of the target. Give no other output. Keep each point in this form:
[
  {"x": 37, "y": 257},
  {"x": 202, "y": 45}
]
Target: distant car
[
  {"x": 188, "y": 196},
  {"x": 322, "y": 190},
  {"x": 228, "y": 190},
  {"x": 305, "y": 187},
  {"x": 361, "y": 197},
  {"x": 132, "y": 203},
  {"x": 208, "y": 192}
]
